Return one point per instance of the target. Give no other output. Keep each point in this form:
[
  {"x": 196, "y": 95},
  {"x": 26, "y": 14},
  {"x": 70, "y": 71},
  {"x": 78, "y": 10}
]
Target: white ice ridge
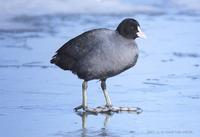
[
  {"x": 71, "y": 6},
  {"x": 38, "y": 7}
]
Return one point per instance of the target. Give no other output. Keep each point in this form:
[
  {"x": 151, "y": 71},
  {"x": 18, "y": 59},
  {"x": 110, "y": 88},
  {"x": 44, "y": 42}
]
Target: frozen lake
[{"x": 37, "y": 98}]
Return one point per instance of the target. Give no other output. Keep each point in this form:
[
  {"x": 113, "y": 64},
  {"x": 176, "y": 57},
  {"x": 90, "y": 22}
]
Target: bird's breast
[
  {"x": 108, "y": 58},
  {"x": 111, "y": 60},
  {"x": 122, "y": 57}
]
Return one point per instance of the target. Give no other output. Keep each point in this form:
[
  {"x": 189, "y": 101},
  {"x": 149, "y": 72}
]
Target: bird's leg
[
  {"x": 108, "y": 107},
  {"x": 105, "y": 109},
  {"x": 105, "y": 92},
  {"x": 84, "y": 97},
  {"x": 84, "y": 94}
]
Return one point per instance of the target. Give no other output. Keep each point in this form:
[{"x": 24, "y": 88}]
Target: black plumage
[{"x": 100, "y": 53}]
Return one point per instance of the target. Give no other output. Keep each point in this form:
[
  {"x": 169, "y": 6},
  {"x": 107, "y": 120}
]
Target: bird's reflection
[
  {"x": 88, "y": 131},
  {"x": 84, "y": 116}
]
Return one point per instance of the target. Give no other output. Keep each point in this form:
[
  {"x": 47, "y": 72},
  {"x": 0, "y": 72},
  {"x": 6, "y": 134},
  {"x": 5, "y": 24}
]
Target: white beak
[{"x": 140, "y": 33}]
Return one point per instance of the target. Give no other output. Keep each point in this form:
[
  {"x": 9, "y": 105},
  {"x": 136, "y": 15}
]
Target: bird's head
[{"x": 130, "y": 28}]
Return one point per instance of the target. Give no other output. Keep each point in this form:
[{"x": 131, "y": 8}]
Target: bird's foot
[
  {"x": 105, "y": 109},
  {"x": 109, "y": 109}
]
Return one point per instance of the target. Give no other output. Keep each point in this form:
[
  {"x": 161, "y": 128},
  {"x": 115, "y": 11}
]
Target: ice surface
[{"x": 37, "y": 98}]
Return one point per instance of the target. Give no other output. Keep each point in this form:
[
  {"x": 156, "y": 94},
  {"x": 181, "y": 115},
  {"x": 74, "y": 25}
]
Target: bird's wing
[
  {"x": 75, "y": 49},
  {"x": 79, "y": 46}
]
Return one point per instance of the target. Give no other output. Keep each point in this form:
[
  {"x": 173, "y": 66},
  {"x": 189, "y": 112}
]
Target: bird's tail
[
  {"x": 54, "y": 59},
  {"x": 63, "y": 61}
]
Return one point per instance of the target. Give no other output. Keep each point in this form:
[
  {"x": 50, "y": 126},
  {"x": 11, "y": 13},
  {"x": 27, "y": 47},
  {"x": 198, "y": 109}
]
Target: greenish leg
[
  {"x": 105, "y": 92},
  {"x": 84, "y": 97}
]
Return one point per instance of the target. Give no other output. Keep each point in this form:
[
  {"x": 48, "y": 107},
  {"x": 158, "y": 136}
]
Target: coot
[{"x": 100, "y": 54}]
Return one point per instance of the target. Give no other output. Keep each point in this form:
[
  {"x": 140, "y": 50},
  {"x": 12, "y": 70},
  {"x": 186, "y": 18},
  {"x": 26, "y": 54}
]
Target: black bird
[{"x": 100, "y": 54}]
